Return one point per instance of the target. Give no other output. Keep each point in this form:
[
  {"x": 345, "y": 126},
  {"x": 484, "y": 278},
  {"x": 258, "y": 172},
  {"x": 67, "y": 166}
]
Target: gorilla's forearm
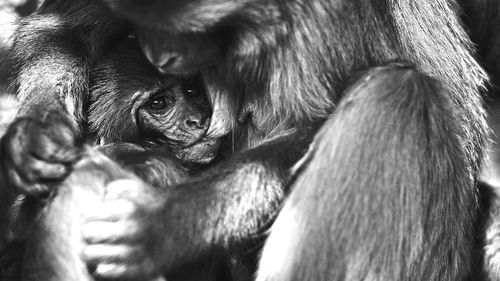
[{"x": 230, "y": 203}]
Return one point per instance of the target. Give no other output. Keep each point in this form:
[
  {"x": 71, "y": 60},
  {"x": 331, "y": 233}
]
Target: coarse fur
[
  {"x": 413, "y": 116},
  {"x": 387, "y": 190},
  {"x": 131, "y": 102},
  {"x": 124, "y": 83},
  {"x": 54, "y": 249},
  {"x": 309, "y": 53},
  {"x": 482, "y": 21}
]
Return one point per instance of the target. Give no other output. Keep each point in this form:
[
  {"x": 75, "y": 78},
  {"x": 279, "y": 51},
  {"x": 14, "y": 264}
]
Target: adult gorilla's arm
[
  {"x": 54, "y": 245},
  {"x": 43, "y": 237},
  {"x": 54, "y": 50},
  {"x": 63, "y": 39}
]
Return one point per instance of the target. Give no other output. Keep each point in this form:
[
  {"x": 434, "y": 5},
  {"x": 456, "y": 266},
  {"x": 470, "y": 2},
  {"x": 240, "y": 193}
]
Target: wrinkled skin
[{"x": 393, "y": 153}]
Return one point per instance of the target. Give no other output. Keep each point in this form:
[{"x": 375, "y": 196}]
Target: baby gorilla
[
  {"x": 151, "y": 124},
  {"x": 131, "y": 102}
]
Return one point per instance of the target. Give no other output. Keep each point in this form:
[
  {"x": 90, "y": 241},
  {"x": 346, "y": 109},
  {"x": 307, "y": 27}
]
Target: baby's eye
[{"x": 159, "y": 102}]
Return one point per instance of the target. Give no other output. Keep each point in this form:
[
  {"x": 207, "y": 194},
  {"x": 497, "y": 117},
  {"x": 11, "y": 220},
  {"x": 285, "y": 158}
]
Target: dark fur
[
  {"x": 387, "y": 190},
  {"x": 122, "y": 83},
  {"x": 412, "y": 110},
  {"x": 482, "y": 20},
  {"x": 309, "y": 53},
  {"x": 123, "y": 86}
]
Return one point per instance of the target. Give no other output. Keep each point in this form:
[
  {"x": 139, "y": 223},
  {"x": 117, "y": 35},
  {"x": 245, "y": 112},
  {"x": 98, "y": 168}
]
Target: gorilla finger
[
  {"x": 113, "y": 271},
  {"x": 111, "y": 232},
  {"x": 144, "y": 271},
  {"x": 51, "y": 151},
  {"x": 37, "y": 190},
  {"x": 129, "y": 188},
  {"x": 96, "y": 254},
  {"x": 15, "y": 178},
  {"x": 37, "y": 170},
  {"x": 114, "y": 210},
  {"x": 28, "y": 187},
  {"x": 66, "y": 155},
  {"x": 58, "y": 123},
  {"x": 14, "y": 154},
  {"x": 63, "y": 135}
]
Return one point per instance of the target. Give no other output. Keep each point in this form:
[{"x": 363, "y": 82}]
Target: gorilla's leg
[{"x": 383, "y": 193}]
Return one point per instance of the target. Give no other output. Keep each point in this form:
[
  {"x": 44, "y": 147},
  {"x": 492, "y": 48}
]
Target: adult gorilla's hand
[{"x": 122, "y": 232}]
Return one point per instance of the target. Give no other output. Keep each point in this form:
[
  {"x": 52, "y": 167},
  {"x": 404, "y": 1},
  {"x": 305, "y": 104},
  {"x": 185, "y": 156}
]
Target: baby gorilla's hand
[
  {"x": 122, "y": 232},
  {"x": 36, "y": 152}
]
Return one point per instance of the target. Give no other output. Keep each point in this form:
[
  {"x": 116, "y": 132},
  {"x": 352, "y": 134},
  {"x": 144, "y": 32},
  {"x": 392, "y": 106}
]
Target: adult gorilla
[{"x": 387, "y": 188}]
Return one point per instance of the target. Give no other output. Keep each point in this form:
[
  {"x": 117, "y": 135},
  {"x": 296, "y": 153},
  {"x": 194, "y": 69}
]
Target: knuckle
[
  {"x": 88, "y": 253},
  {"x": 135, "y": 230},
  {"x": 124, "y": 207},
  {"x": 111, "y": 270},
  {"x": 36, "y": 190},
  {"x": 92, "y": 231}
]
